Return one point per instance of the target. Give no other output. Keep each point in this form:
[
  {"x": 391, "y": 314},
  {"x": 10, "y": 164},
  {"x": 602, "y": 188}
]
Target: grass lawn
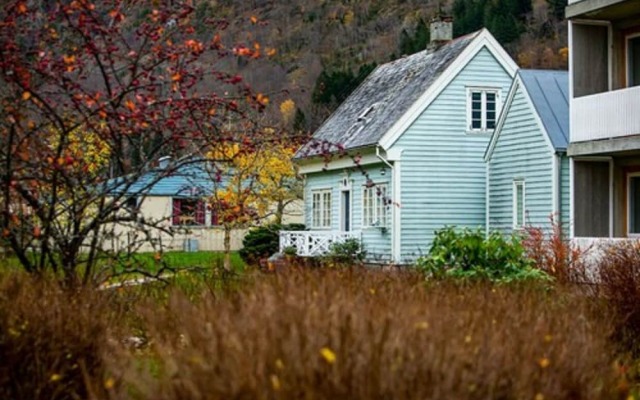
[{"x": 174, "y": 260}]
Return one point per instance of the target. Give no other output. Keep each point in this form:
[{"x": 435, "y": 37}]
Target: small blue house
[
  {"x": 411, "y": 141},
  {"x": 526, "y": 161}
]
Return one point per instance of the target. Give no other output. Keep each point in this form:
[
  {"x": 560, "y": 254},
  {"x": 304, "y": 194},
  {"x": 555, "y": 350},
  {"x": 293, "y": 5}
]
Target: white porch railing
[
  {"x": 314, "y": 243},
  {"x": 606, "y": 115}
]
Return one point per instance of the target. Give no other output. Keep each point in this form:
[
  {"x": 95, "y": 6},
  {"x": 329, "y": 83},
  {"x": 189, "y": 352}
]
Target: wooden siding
[
  {"x": 443, "y": 171},
  {"x": 376, "y": 243},
  {"x": 522, "y": 152}
]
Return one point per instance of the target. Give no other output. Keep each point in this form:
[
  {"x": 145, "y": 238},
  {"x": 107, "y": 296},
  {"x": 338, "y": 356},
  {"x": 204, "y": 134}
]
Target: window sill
[{"x": 479, "y": 132}]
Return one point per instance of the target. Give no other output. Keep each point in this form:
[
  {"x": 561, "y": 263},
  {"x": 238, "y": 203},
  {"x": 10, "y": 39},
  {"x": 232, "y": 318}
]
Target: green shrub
[
  {"x": 263, "y": 241},
  {"x": 468, "y": 254},
  {"x": 348, "y": 252}
]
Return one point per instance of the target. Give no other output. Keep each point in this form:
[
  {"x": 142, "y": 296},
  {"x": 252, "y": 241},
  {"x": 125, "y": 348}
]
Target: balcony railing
[
  {"x": 314, "y": 243},
  {"x": 606, "y": 115}
]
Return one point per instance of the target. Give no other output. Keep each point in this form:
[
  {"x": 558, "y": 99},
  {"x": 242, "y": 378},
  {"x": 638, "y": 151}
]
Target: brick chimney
[{"x": 441, "y": 32}]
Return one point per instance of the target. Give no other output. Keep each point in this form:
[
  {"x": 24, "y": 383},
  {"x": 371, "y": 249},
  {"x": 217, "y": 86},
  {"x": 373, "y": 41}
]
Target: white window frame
[
  {"x": 324, "y": 212},
  {"x": 379, "y": 213},
  {"x": 627, "y": 38},
  {"x": 629, "y": 176},
  {"x": 483, "y": 108},
  {"x": 516, "y": 183}
]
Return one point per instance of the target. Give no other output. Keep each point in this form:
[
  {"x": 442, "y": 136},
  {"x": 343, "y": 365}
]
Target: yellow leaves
[
  {"x": 544, "y": 362},
  {"x": 539, "y": 396},
  {"x": 564, "y": 53},
  {"x": 279, "y": 364},
  {"x": 348, "y": 17},
  {"x": 328, "y": 355},
  {"x": 467, "y": 339},
  {"x": 422, "y": 325},
  {"x": 109, "y": 383},
  {"x": 55, "y": 377},
  {"x": 271, "y": 52},
  {"x": 288, "y": 110},
  {"x": 26, "y": 95},
  {"x": 548, "y": 338},
  {"x": 275, "y": 382}
]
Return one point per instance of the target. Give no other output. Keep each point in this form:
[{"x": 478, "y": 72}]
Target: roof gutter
[{"x": 384, "y": 160}]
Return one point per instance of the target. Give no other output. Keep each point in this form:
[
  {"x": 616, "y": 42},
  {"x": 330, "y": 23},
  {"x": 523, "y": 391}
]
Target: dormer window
[
  {"x": 482, "y": 109},
  {"x": 368, "y": 113}
]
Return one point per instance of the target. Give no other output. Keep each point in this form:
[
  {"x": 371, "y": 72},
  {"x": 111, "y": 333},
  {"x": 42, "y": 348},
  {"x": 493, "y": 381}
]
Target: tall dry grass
[
  {"x": 53, "y": 341},
  {"x": 354, "y": 334}
]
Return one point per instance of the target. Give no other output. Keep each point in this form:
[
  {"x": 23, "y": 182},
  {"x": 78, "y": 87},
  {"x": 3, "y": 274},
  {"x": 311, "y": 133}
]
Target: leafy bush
[
  {"x": 263, "y": 241},
  {"x": 554, "y": 254},
  {"x": 348, "y": 252},
  {"x": 468, "y": 254}
]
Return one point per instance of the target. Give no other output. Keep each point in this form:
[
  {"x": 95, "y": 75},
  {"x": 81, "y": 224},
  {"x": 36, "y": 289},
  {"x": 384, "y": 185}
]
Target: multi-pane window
[
  {"x": 375, "y": 206},
  {"x": 483, "y": 106},
  {"x": 634, "y": 204},
  {"x": 518, "y": 204},
  {"x": 188, "y": 212},
  {"x": 321, "y": 209}
]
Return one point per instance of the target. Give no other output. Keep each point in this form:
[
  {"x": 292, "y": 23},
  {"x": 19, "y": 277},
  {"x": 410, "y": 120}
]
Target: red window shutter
[
  {"x": 175, "y": 216},
  {"x": 200, "y": 213}
]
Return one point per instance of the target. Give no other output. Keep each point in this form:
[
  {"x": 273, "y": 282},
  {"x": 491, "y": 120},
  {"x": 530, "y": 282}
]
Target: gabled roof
[
  {"x": 548, "y": 95},
  {"x": 384, "y": 97},
  {"x": 191, "y": 178}
]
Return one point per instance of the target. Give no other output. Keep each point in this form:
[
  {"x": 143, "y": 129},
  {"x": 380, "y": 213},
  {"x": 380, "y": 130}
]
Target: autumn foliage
[{"x": 90, "y": 99}]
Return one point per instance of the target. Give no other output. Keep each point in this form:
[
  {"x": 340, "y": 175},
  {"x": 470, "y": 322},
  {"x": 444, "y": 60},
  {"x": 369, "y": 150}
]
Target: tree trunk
[
  {"x": 279, "y": 212},
  {"x": 227, "y": 248}
]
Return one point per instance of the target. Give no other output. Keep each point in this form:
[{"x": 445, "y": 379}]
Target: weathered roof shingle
[{"x": 383, "y": 98}]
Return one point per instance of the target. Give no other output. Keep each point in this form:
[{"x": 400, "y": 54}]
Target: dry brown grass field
[{"x": 312, "y": 334}]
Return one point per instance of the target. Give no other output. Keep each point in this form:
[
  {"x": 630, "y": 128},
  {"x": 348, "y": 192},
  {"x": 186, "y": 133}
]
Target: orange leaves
[
  {"x": 130, "y": 105},
  {"x": 36, "y": 232},
  {"x": 69, "y": 59},
  {"x": 242, "y": 51},
  {"x": 262, "y": 99},
  {"x": 194, "y": 46},
  {"x": 177, "y": 77},
  {"x": 22, "y": 8},
  {"x": 26, "y": 95},
  {"x": 254, "y": 19},
  {"x": 271, "y": 52}
]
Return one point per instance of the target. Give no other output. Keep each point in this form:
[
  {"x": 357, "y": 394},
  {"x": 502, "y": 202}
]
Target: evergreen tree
[
  {"x": 556, "y": 8},
  {"x": 299, "y": 121}
]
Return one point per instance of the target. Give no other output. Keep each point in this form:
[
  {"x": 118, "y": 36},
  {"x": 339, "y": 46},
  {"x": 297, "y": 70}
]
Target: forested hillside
[{"x": 324, "y": 48}]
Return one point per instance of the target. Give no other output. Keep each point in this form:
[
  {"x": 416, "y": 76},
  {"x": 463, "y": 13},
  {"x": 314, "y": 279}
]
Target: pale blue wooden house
[
  {"x": 526, "y": 161},
  {"x": 412, "y": 138}
]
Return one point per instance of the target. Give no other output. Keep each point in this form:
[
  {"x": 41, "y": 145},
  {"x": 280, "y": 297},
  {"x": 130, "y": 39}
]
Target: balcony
[
  {"x": 606, "y": 115},
  {"x": 314, "y": 243}
]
